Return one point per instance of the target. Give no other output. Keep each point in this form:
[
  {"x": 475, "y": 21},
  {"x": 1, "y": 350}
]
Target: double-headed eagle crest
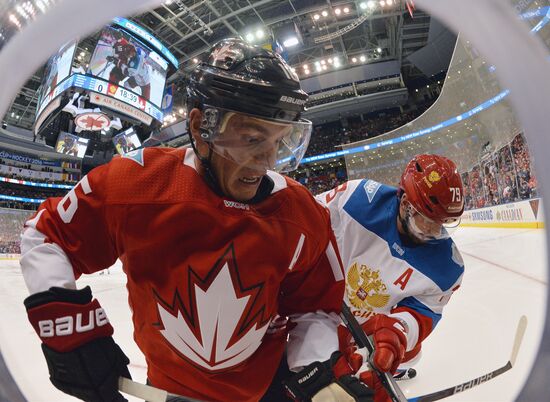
[{"x": 365, "y": 289}]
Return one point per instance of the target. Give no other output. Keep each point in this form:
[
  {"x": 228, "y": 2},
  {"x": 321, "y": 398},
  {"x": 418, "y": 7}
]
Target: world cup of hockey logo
[{"x": 365, "y": 288}]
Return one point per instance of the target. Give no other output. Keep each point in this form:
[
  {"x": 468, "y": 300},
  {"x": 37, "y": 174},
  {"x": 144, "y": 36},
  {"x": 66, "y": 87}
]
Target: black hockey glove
[
  {"x": 110, "y": 59},
  {"x": 329, "y": 381},
  {"x": 82, "y": 357}
]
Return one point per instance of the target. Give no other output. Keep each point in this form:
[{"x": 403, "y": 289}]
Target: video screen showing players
[
  {"x": 73, "y": 145},
  {"x": 57, "y": 69},
  {"x": 123, "y": 60},
  {"x": 126, "y": 141}
]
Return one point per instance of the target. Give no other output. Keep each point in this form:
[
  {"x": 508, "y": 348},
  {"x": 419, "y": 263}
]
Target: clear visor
[
  {"x": 426, "y": 229},
  {"x": 256, "y": 143}
]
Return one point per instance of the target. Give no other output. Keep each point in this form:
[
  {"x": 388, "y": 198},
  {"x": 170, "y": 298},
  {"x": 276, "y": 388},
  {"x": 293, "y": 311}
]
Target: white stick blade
[
  {"x": 142, "y": 391},
  {"x": 520, "y": 331}
]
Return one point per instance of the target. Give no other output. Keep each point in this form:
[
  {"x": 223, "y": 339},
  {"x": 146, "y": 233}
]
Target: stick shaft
[
  {"x": 362, "y": 341},
  {"x": 455, "y": 389}
]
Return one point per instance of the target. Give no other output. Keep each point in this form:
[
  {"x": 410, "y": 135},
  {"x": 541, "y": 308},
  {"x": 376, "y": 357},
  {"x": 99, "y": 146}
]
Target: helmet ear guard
[{"x": 209, "y": 122}]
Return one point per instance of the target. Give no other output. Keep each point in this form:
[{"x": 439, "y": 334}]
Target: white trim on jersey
[
  {"x": 314, "y": 338},
  {"x": 47, "y": 265},
  {"x": 297, "y": 251},
  {"x": 334, "y": 263},
  {"x": 189, "y": 159},
  {"x": 278, "y": 179}
]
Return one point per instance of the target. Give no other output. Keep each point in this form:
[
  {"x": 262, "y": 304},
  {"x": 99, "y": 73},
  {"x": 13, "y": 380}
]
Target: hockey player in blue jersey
[{"x": 401, "y": 265}]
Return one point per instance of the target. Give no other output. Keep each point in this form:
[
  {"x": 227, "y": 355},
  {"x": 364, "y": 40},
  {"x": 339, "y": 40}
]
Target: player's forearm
[
  {"x": 313, "y": 338},
  {"x": 44, "y": 264}
]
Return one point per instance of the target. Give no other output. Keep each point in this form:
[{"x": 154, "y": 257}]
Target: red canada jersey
[
  {"x": 206, "y": 275},
  {"x": 123, "y": 51}
]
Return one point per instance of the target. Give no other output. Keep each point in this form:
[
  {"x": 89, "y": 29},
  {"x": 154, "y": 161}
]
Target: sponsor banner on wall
[
  {"x": 526, "y": 213},
  {"x": 119, "y": 106},
  {"x": 27, "y": 159},
  {"x": 10, "y": 256}
]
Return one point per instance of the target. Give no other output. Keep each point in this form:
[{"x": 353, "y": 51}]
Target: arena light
[
  {"x": 41, "y": 5},
  {"x": 195, "y": 60},
  {"x": 337, "y": 11},
  {"x": 305, "y": 66},
  {"x": 382, "y": 3},
  {"x": 389, "y": 2},
  {"x": 22, "y": 12},
  {"x": 354, "y": 59},
  {"x": 346, "y": 10},
  {"x": 15, "y": 21},
  {"x": 363, "y": 59},
  {"x": 324, "y": 13},
  {"x": 379, "y": 49},
  {"x": 260, "y": 33},
  {"x": 316, "y": 17},
  {"x": 293, "y": 41},
  {"x": 337, "y": 62},
  {"x": 249, "y": 37},
  {"x": 371, "y": 4}
]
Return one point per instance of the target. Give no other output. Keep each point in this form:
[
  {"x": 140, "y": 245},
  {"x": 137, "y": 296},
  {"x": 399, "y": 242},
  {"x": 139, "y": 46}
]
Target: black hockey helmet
[
  {"x": 238, "y": 79},
  {"x": 248, "y": 79}
]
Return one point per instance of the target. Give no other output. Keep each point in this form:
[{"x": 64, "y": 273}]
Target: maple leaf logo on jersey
[
  {"x": 365, "y": 289},
  {"x": 223, "y": 326}
]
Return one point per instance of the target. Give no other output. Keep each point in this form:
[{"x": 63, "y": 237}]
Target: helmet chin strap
[
  {"x": 406, "y": 229},
  {"x": 206, "y": 163},
  {"x": 409, "y": 233}
]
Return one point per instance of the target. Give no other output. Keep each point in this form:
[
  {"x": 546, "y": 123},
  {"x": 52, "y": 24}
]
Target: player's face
[
  {"x": 248, "y": 150},
  {"x": 421, "y": 228}
]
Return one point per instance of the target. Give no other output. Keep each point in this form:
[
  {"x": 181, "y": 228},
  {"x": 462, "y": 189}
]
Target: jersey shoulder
[
  {"x": 369, "y": 203},
  {"x": 148, "y": 175}
]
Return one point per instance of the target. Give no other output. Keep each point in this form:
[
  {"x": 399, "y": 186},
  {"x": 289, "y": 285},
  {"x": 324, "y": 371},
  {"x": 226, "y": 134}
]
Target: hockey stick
[
  {"x": 435, "y": 396},
  {"x": 363, "y": 341},
  {"x": 147, "y": 392},
  {"x": 107, "y": 64}
]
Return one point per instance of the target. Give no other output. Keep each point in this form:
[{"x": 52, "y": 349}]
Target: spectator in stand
[{"x": 524, "y": 190}]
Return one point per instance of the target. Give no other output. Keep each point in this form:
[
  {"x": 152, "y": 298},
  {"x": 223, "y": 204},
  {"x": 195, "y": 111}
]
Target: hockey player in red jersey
[
  {"x": 229, "y": 263},
  {"x": 123, "y": 53},
  {"x": 401, "y": 265}
]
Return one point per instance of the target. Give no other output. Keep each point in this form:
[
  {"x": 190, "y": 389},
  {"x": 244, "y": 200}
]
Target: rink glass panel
[
  {"x": 11, "y": 226},
  {"x": 488, "y": 147}
]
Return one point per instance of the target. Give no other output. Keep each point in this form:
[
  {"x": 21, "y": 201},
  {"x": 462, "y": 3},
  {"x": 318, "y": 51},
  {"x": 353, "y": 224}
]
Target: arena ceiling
[{"x": 350, "y": 32}]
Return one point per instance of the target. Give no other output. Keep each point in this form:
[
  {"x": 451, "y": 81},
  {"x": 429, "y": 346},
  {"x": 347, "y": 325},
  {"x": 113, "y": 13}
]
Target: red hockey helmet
[{"x": 434, "y": 188}]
